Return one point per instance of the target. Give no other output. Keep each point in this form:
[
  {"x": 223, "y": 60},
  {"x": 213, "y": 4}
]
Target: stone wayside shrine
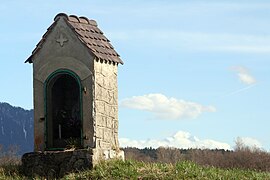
[{"x": 75, "y": 98}]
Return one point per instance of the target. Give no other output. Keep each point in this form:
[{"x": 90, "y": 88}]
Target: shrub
[{"x": 242, "y": 158}]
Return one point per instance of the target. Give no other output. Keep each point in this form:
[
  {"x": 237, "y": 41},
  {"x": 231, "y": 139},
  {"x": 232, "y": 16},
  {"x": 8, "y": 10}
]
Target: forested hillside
[{"x": 16, "y": 127}]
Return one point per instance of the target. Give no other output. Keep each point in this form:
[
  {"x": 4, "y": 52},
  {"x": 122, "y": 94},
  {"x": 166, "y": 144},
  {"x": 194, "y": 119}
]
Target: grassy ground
[{"x": 117, "y": 169}]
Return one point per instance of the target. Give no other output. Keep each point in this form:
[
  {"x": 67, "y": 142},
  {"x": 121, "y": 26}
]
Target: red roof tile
[{"x": 89, "y": 34}]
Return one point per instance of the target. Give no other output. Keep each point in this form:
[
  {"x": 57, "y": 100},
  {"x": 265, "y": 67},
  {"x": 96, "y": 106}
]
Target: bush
[{"x": 241, "y": 158}]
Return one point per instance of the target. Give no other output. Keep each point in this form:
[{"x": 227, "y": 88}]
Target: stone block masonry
[
  {"x": 106, "y": 105},
  {"x": 56, "y": 164}
]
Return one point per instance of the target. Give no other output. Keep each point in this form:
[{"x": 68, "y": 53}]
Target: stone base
[{"x": 55, "y": 164}]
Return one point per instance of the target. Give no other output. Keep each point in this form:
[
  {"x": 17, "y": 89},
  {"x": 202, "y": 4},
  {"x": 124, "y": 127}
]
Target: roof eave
[
  {"x": 29, "y": 60},
  {"x": 40, "y": 43}
]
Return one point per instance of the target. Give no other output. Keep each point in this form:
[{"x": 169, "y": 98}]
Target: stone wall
[
  {"x": 106, "y": 106},
  {"x": 55, "y": 164}
]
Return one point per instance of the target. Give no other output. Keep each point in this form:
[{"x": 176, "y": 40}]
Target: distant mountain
[{"x": 16, "y": 127}]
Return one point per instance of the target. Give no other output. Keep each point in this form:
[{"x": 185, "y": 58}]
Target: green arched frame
[{"x": 47, "y": 81}]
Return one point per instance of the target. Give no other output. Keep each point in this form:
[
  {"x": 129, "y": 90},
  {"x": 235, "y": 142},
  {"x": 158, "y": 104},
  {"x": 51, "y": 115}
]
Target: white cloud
[
  {"x": 166, "y": 108},
  {"x": 180, "y": 139},
  {"x": 244, "y": 75},
  {"x": 249, "y": 142}
]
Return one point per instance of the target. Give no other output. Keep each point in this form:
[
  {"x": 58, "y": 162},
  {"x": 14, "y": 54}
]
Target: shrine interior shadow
[{"x": 63, "y": 109}]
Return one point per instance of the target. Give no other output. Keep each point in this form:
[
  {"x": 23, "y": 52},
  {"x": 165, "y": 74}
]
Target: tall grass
[
  {"x": 243, "y": 163},
  {"x": 9, "y": 156},
  {"x": 129, "y": 169},
  {"x": 242, "y": 157},
  {"x": 10, "y": 163},
  {"x": 117, "y": 169}
]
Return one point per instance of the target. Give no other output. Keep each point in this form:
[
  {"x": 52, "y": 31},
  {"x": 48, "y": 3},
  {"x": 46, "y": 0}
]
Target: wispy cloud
[
  {"x": 180, "y": 139},
  {"x": 245, "y": 78},
  {"x": 166, "y": 107},
  {"x": 239, "y": 90},
  {"x": 244, "y": 75}
]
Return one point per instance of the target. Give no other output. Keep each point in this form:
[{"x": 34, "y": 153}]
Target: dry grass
[
  {"x": 9, "y": 156},
  {"x": 10, "y": 163},
  {"x": 128, "y": 169},
  {"x": 242, "y": 157},
  {"x": 200, "y": 168}
]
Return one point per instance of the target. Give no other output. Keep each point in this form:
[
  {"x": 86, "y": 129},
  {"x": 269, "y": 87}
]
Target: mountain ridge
[{"x": 16, "y": 127}]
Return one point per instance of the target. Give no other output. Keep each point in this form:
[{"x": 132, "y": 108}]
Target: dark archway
[{"x": 63, "y": 109}]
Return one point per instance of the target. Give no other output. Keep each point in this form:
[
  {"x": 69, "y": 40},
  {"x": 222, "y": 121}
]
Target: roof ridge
[{"x": 76, "y": 19}]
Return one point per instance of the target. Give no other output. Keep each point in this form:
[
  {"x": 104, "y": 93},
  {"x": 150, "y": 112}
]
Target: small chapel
[{"x": 75, "y": 89}]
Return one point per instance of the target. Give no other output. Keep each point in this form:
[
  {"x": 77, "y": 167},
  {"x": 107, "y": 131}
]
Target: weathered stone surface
[
  {"x": 115, "y": 126},
  {"x": 105, "y": 145},
  {"x": 100, "y": 107},
  {"x": 109, "y": 123},
  {"x": 107, "y": 135},
  {"x": 110, "y": 154},
  {"x": 99, "y": 132},
  {"x": 55, "y": 164},
  {"x": 106, "y": 105}
]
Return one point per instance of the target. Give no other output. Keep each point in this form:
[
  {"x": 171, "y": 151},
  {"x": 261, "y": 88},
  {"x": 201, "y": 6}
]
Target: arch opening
[{"x": 63, "y": 109}]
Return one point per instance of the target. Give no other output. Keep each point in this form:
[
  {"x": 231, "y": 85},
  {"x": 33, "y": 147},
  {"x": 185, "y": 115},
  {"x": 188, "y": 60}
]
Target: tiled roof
[{"x": 89, "y": 34}]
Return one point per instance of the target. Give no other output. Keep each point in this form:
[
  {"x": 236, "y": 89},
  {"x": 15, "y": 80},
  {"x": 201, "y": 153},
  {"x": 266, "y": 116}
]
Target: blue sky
[{"x": 196, "y": 73}]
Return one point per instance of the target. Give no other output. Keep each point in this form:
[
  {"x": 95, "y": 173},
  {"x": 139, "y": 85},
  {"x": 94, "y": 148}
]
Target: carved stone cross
[{"x": 61, "y": 40}]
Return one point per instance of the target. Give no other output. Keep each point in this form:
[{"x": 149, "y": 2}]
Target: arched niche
[{"x": 63, "y": 108}]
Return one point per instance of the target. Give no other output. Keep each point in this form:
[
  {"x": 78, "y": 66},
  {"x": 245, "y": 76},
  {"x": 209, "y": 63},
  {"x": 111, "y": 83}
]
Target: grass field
[{"x": 117, "y": 169}]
